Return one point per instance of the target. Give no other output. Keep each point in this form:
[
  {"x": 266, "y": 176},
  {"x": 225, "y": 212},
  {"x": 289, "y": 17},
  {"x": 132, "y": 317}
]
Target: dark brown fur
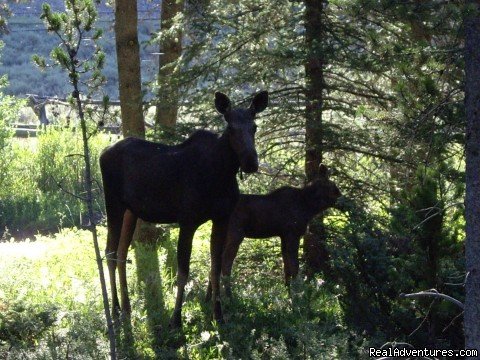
[
  {"x": 187, "y": 184},
  {"x": 284, "y": 212}
]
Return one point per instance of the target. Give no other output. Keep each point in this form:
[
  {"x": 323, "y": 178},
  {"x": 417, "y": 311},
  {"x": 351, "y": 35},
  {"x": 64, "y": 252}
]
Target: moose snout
[
  {"x": 341, "y": 203},
  {"x": 249, "y": 162},
  {"x": 338, "y": 193}
]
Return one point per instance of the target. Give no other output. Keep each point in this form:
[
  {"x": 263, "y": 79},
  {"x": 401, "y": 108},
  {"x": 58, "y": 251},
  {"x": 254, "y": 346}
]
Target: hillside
[{"x": 28, "y": 36}]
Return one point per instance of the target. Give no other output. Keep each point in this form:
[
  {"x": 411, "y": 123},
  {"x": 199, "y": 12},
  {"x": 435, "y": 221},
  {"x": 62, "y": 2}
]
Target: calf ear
[
  {"x": 259, "y": 102},
  {"x": 322, "y": 171},
  {"x": 222, "y": 103}
]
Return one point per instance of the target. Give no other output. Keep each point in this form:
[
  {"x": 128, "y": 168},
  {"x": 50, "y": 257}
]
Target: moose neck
[
  {"x": 313, "y": 205},
  {"x": 228, "y": 158}
]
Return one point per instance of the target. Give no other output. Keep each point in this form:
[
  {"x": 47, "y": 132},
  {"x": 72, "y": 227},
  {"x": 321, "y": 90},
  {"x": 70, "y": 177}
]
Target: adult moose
[{"x": 188, "y": 184}]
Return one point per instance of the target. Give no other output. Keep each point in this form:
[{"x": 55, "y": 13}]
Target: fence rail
[{"x": 32, "y": 130}]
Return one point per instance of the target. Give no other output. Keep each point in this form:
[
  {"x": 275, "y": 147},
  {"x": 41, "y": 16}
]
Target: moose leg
[
  {"x": 290, "y": 245},
  {"x": 208, "y": 295},
  {"x": 128, "y": 228},
  {"x": 234, "y": 239},
  {"x": 184, "y": 252},
  {"x": 286, "y": 265},
  {"x": 217, "y": 241},
  {"x": 114, "y": 225},
  {"x": 111, "y": 256}
]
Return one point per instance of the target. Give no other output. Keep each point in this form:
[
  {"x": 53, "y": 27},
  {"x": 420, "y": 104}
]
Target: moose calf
[{"x": 284, "y": 212}]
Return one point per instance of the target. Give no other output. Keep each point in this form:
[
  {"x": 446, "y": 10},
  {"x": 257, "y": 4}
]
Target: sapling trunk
[
  {"x": 89, "y": 202},
  {"x": 70, "y": 28}
]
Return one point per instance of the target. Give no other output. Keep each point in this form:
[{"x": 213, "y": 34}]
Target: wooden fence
[
  {"x": 32, "y": 130},
  {"x": 38, "y": 105}
]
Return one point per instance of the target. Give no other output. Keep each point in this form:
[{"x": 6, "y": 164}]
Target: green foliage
[
  {"x": 4, "y": 14},
  {"x": 364, "y": 270},
  {"x": 48, "y": 300},
  {"x": 374, "y": 262},
  {"x": 392, "y": 133},
  {"x": 40, "y": 199},
  {"x": 51, "y": 306},
  {"x": 21, "y": 325},
  {"x": 22, "y": 43},
  {"x": 421, "y": 216},
  {"x": 9, "y": 110}
]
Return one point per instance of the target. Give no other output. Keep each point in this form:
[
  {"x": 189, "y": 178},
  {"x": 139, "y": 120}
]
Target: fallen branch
[{"x": 433, "y": 293}]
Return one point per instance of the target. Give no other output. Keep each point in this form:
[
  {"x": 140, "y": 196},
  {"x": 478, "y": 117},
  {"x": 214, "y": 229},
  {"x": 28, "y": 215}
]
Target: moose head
[
  {"x": 241, "y": 128},
  {"x": 323, "y": 192}
]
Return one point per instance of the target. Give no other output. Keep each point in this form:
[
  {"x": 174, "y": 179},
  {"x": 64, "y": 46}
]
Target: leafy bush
[
  {"x": 372, "y": 265},
  {"x": 9, "y": 110},
  {"x": 41, "y": 179},
  {"x": 22, "y": 324}
]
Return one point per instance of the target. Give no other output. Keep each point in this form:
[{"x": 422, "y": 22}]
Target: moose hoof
[
  {"x": 217, "y": 313},
  {"x": 220, "y": 321}
]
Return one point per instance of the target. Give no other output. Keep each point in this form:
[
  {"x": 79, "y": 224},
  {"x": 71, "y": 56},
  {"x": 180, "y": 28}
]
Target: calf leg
[
  {"x": 217, "y": 241},
  {"x": 128, "y": 228},
  {"x": 184, "y": 252},
  {"x": 290, "y": 245},
  {"x": 234, "y": 239}
]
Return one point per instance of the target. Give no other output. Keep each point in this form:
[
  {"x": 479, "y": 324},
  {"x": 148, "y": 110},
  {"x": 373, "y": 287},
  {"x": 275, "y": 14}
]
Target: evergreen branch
[{"x": 366, "y": 152}]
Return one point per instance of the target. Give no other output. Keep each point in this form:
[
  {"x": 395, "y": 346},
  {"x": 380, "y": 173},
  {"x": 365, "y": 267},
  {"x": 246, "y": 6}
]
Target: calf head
[
  {"x": 241, "y": 128},
  {"x": 323, "y": 192}
]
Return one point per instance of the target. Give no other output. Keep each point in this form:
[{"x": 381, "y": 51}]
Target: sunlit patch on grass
[{"x": 12, "y": 250}]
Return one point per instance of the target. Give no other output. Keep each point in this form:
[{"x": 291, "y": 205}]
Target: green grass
[
  {"x": 50, "y": 299},
  {"x": 50, "y": 304}
]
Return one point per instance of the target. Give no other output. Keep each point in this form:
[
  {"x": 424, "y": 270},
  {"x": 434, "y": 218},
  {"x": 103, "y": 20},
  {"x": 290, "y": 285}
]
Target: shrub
[
  {"x": 41, "y": 178},
  {"x": 9, "y": 111},
  {"x": 23, "y": 324}
]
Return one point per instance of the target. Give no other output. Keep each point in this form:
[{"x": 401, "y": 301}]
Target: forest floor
[{"x": 50, "y": 305}]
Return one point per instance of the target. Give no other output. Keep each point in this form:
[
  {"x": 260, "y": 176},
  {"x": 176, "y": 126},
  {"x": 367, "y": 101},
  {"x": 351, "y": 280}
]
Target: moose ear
[
  {"x": 259, "y": 102},
  {"x": 322, "y": 171},
  {"x": 222, "y": 102}
]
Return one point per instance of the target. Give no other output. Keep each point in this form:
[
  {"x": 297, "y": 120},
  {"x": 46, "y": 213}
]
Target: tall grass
[
  {"x": 50, "y": 299},
  {"x": 51, "y": 305}
]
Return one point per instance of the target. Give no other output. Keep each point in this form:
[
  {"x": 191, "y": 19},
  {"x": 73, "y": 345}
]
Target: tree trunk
[
  {"x": 128, "y": 60},
  {"x": 472, "y": 196},
  {"x": 314, "y": 242},
  {"x": 130, "y": 88},
  {"x": 171, "y": 50}
]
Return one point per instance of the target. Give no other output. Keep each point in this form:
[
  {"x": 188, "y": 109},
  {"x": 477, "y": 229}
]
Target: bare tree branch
[{"x": 433, "y": 293}]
